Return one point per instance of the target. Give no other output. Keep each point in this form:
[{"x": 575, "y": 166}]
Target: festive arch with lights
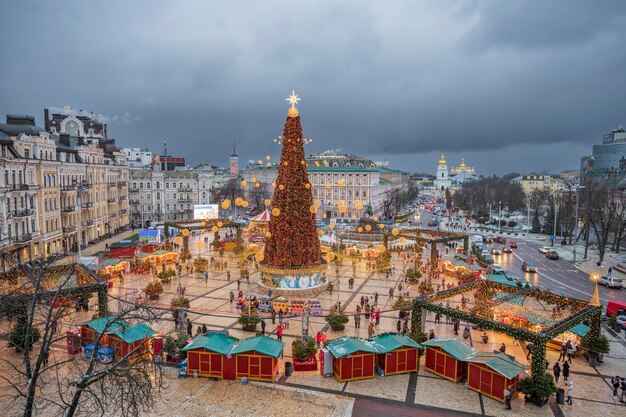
[{"x": 527, "y": 314}]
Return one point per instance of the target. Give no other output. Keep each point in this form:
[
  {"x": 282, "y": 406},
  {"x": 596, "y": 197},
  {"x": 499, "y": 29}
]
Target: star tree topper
[{"x": 293, "y": 100}]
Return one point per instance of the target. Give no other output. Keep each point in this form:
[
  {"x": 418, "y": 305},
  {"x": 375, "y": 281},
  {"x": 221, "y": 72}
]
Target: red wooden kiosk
[
  {"x": 133, "y": 341},
  {"x": 353, "y": 358},
  {"x": 448, "y": 358},
  {"x": 209, "y": 356},
  {"x": 490, "y": 374},
  {"x": 89, "y": 331},
  {"x": 398, "y": 353},
  {"x": 256, "y": 358}
]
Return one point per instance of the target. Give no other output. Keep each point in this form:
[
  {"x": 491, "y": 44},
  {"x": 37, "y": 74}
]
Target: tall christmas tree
[{"x": 292, "y": 240}]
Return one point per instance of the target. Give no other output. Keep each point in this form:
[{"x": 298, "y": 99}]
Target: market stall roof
[
  {"x": 149, "y": 233},
  {"x": 502, "y": 363},
  {"x": 347, "y": 345},
  {"x": 215, "y": 342},
  {"x": 109, "y": 262},
  {"x": 580, "y": 329},
  {"x": 134, "y": 333},
  {"x": 453, "y": 347},
  {"x": 99, "y": 324},
  {"x": 264, "y": 216},
  {"x": 122, "y": 244},
  {"x": 472, "y": 267},
  {"x": 64, "y": 279},
  {"x": 390, "y": 341},
  {"x": 261, "y": 344},
  {"x": 500, "y": 279}
]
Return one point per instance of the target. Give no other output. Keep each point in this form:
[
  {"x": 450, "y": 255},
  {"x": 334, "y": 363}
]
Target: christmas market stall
[
  {"x": 123, "y": 249},
  {"x": 208, "y": 356},
  {"x": 89, "y": 331},
  {"x": 113, "y": 268},
  {"x": 256, "y": 358},
  {"x": 573, "y": 335},
  {"x": 447, "y": 358},
  {"x": 353, "y": 358},
  {"x": 491, "y": 373},
  {"x": 131, "y": 342},
  {"x": 398, "y": 353}
]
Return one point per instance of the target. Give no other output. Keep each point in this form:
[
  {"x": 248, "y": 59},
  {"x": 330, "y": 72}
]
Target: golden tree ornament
[
  {"x": 320, "y": 232},
  {"x": 238, "y": 201},
  {"x": 226, "y": 204},
  {"x": 244, "y": 204},
  {"x": 220, "y": 224},
  {"x": 395, "y": 232},
  {"x": 244, "y": 183},
  {"x": 202, "y": 224},
  {"x": 381, "y": 226},
  {"x": 281, "y": 187},
  {"x": 359, "y": 229},
  {"x": 267, "y": 202},
  {"x": 313, "y": 209},
  {"x": 178, "y": 240},
  {"x": 307, "y": 185},
  {"x": 253, "y": 179},
  {"x": 230, "y": 218},
  {"x": 257, "y": 185},
  {"x": 185, "y": 232},
  {"x": 268, "y": 235},
  {"x": 276, "y": 211},
  {"x": 368, "y": 227},
  {"x": 214, "y": 229}
]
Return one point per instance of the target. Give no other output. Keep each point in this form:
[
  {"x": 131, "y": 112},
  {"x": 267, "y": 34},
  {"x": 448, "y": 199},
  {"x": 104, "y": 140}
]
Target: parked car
[
  {"x": 528, "y": 267},
  {"x": 616, "y": 308},
  {"x": 488, "y": 239},
  {"x": 551, "y": 254},
  {"x": 489, "y": 259},
  {"x": 610, "y": 282},
  {"x": 506, "y": 249},
  {"x": 544, "y": 249},
  {"x": 497, "y": 269},
  {"x": 499, "y": 239},
  {"x": 621, "y": 322},
  {"x": 621, "y": 267},
  {"x": 513, "y": 245},
  {"x": 496, "y": 251}
]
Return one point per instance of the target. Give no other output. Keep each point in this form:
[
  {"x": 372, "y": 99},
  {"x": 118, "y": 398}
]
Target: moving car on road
[
  {"x": 620, "y": 323},
  {"x": 499, "y": 239},
  {"x": 528, "y": 267},
  {"x": 513, "y": 245},
  {"x": 488, "y": 259},
  {"x": 610, "y": 282},
  {"x": 496, "y": 251},
  {"x": 544, "y": 249},
  {"x": 551, "y": 254},
  {"x": 506, "y": 249}
]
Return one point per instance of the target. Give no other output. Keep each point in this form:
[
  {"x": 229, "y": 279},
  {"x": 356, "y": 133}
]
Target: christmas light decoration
[{"x": 226, "y": 204}]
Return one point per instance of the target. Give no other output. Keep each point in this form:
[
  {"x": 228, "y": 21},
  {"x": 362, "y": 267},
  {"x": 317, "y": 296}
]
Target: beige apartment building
[{"x": 61, "y": 186}]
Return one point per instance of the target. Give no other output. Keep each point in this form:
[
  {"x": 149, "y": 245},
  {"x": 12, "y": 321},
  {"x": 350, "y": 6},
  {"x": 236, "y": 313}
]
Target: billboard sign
[{"x": 205, "y": 211}]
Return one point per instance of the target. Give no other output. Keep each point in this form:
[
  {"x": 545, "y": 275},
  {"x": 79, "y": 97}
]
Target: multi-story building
[
  {"x": 539, "y": 182},
  {"x": 608, "y": 160},
  {"x": 336, "y": 178},
  {"x": 137, "y": 157},
  {"x": 58, "y": 183},
  {"x": 157, "y": 196}
]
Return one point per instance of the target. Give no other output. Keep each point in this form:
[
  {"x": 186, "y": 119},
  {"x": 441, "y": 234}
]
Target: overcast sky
[{"x": 509, "y": 85}]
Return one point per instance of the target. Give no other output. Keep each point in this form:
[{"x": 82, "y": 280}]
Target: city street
[{"x": 559, "y": 276}]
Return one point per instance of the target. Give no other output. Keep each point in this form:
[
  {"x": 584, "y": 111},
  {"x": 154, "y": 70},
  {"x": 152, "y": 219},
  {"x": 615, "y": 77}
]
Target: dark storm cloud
[{"x": 500, "y": 82}]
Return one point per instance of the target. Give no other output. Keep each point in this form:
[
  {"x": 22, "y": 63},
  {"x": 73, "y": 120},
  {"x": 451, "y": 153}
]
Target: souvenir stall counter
[
  {"x": 256, "y": 358},
  {"x": 209, "y": 356},
  {"x": 353, "y": 358},
  {"x": 134, "y": 341},
  {"x": 398, "y": 353},
  {"x": 491, "y": 373},
  {"x": 448, "y": 358}
]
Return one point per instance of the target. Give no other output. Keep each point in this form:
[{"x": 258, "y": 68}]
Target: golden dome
[
  {"x": 442, "y": 161},
  {"x": 462, "y": 163}
]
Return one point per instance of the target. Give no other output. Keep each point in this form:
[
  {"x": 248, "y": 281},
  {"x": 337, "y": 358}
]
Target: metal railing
[{"x": 68, "y": 209}]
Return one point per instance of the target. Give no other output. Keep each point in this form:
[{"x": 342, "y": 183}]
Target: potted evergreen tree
[
  {"x": 538, "y": 389},
  {"x": 336, "y": 319},
  {"x": 249, "y": 317},
  {"x": 304, "y": 355}
]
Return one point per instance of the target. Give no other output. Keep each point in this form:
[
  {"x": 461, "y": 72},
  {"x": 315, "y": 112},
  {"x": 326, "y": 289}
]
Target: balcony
[
  {"x": 185, "y": 190},
  {"x": 89, "y": 223},
  {"x": 123, "y": 211},
  {"x": 185, "y": 200},
  {"x": 68, "y": 209},
  {"x": 20, "y": 187},
  {"x": 86, "y": 205},
  {"x": 134, "y": 201},
  {"x": 113, "y": 214},
  {"x": 68, "y": 188},
  {"x": 69, "y": 229},
  {"x": 122, "y": 197},
  {"x": 24, "y": 238},
  {"x": 122, "y": 183},
  {"x": 22, "y": 212},
  {"x": 111, "y": 200}
]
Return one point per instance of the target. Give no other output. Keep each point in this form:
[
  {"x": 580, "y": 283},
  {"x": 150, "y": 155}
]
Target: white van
[{"x": 476, "y": 239}]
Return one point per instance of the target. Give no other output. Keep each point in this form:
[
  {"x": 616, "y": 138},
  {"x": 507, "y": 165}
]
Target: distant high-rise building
[
  {"x": 137, "y": 157},
  {"x": 168, "y": 162},
  {"x": 608, "y": 160}
]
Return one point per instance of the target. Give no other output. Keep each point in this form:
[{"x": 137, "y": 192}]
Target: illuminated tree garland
[{"x": 292, "y": 240}]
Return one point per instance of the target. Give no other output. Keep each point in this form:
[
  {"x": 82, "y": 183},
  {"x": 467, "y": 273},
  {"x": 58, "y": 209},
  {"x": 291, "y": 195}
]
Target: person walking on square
[
  {"x": 503, "y": 348},
  {"x": 232, "y": 297},
  {"x": 508, "y": 392},
  {"x": 263, "y": 327},
  {"x": 376, "y": 298},
  {"x": 273, "y": 316},
  {"x": 398, "y": 325},
  {"x": 324, "y": 338},
  {"x": 351, "y": 283},
  {"x": 437, "y": 318},
  {"x": 565, "y": 371},
  {"x": 431, "y": 334},
  {"x": 377, "y": 313},
  {"x": 615, "y": 384},
  {"x": 286, "y": 322},
  {"x": 228, "y": 275},
  {"x": 318, "y": 339},
  {"x": 622, "y": 385},
  {"x": 279, "y": 332},
  {"x": 391, "y": 293},
  {"x": 568, "y": 391},
  {"x": 357, "y": 321},
  {"x": 238, "y": 284},
  {"x": 557, "y": 371},
  {"x": 189, "y": 328},
  {"x": 529, "y": 348},
  {"x": 370, "y": 330},
  {"x": 562, "y": 352},
  {"x": 206, "y": 277},
  {"x": 367, "y": 311},
  {"x": 570, "y": 351},
  {"x": 456, "y": 327}
]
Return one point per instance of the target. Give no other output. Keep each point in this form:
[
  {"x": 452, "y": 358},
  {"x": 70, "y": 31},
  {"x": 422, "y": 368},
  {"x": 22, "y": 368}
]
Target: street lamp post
[
  {"x": 499, "y": 215},
  {"x": 595, "y": 299},
  {"x": 576, "y": 222}
]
